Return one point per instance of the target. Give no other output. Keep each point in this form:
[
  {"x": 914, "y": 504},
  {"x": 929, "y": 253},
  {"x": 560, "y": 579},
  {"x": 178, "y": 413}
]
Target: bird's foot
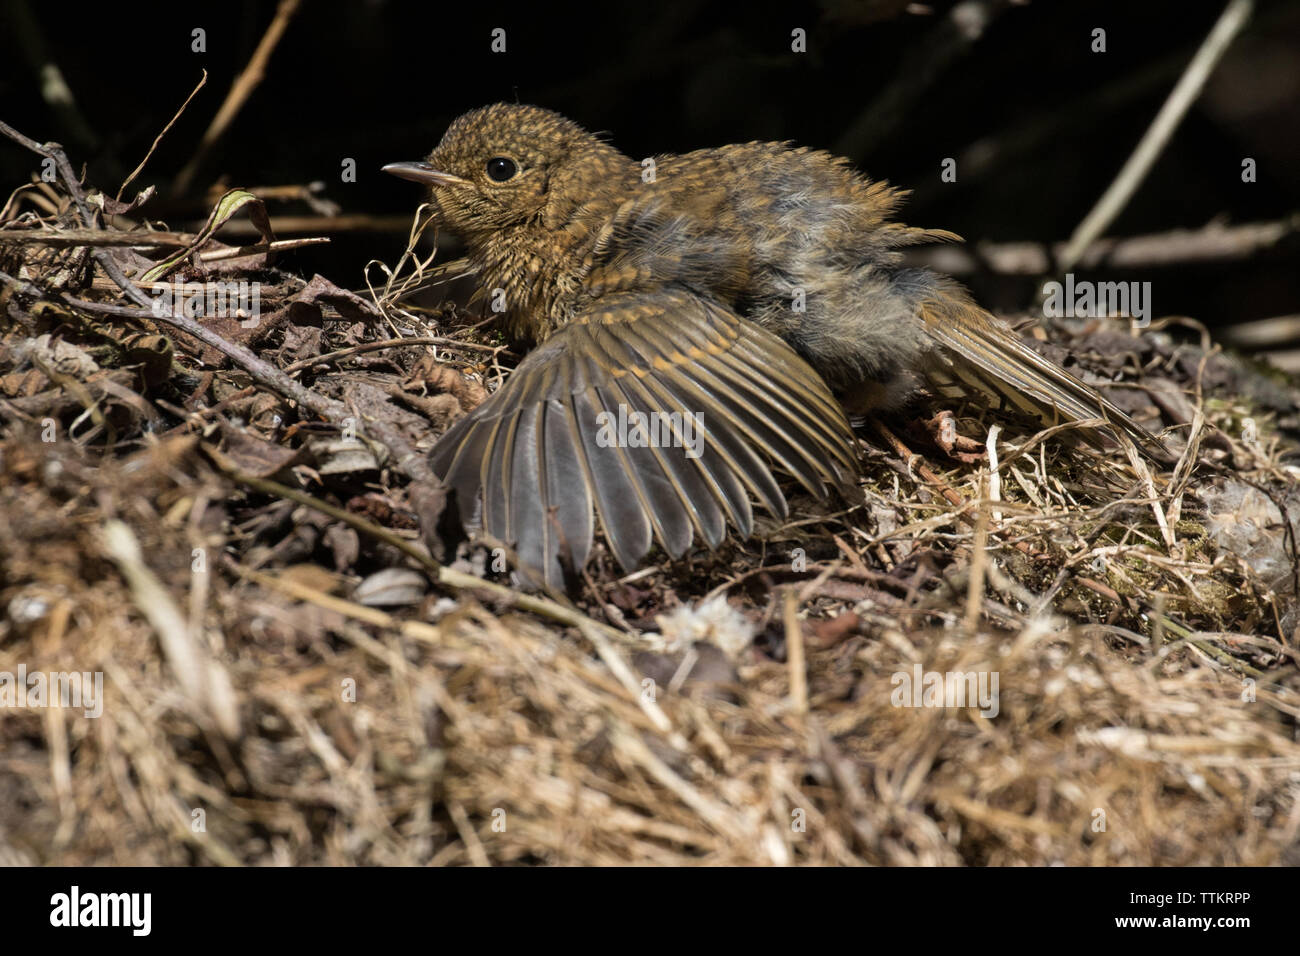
[{"x": 941, "y": 429}]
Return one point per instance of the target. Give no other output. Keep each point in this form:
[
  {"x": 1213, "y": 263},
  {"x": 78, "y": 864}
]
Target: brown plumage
[{"x": 750, "y": 289}]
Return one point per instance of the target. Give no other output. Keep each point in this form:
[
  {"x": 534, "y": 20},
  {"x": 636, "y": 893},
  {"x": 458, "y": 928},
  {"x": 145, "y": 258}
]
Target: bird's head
[{"x": 508, "y": 164}]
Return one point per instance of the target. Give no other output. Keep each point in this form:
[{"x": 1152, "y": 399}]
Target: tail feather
[{"x": 979, "y": 354}]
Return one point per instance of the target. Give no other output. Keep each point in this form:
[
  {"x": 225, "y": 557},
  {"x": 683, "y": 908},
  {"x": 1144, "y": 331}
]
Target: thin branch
[
  {"x": 398, "y": 343},
  {"x": 243, "y": 87},
  {"x": 1186, "y": 91},
  {"x": 158, "y": 139},
  {"x": 1214, "y": 243},
  {"x": 406, "y": 459}
]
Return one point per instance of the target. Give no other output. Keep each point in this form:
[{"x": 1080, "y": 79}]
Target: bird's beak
[{"x": 422, "y": 173}]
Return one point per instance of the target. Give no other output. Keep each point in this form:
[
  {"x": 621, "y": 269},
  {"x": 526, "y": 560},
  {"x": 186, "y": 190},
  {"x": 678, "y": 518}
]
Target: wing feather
[{"x": 533, "y": 466}]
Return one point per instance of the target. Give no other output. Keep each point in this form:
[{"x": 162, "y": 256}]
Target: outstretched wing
[
  {"x": 725, "y": 403},
  {"x": 983, "y": 356}
]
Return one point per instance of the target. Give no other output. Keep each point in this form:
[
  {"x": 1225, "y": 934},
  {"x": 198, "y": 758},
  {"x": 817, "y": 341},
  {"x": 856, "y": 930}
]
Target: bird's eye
[{"x": 499, "y": 169}]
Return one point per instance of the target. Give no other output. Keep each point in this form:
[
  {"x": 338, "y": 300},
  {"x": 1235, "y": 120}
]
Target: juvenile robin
[{"x": 702, "y": 321}]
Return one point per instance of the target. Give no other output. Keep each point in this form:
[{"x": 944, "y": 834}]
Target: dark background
[{"x": 1038, "y": 124}]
